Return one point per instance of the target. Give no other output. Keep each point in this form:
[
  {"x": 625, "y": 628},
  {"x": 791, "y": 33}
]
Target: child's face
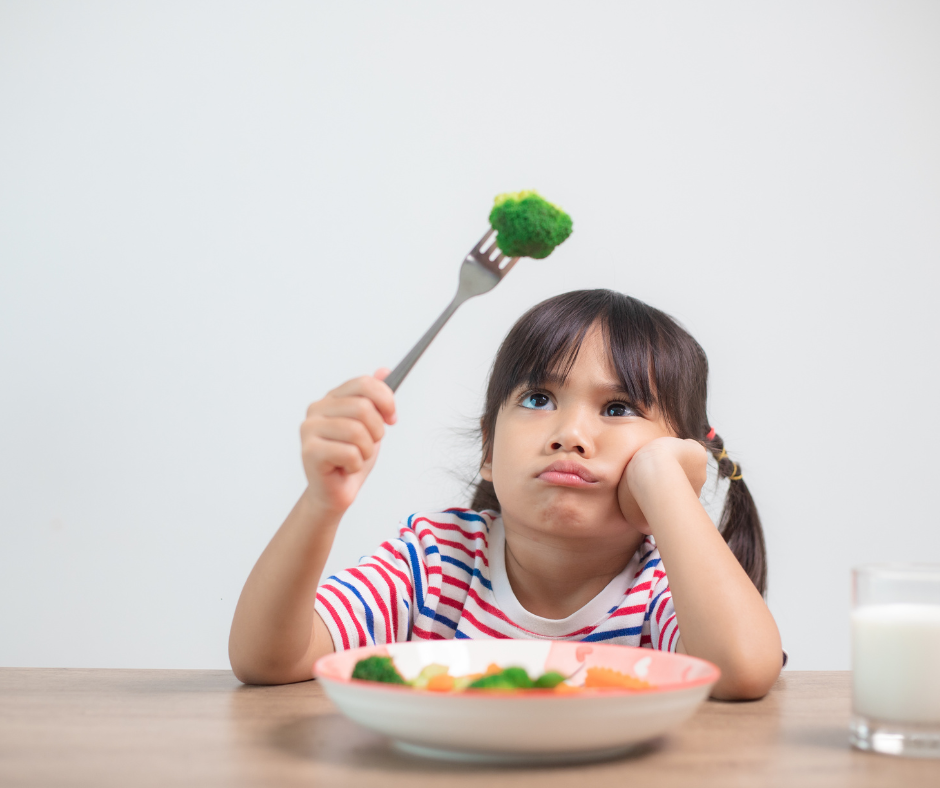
[{"x": 587, "y": 423}]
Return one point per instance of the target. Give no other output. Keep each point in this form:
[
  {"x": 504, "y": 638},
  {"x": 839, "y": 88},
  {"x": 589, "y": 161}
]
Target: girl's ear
[{"x": 486, "y": 467}]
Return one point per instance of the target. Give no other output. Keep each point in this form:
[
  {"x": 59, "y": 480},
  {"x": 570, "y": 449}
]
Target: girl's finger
[
  {"x": 351, "y": 431},
  {"x": 358, "y": 408},
  {"x": 373, "y": 389},
  {"x": 381, "y": 374},
  {"x": 325, "y": 456}
]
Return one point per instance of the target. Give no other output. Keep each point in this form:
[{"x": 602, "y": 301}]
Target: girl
[{"x": 596, "y": 449}]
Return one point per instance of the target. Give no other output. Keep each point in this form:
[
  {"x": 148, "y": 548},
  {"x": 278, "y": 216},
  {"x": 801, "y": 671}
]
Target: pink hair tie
[{"x": 711, "y": 434}]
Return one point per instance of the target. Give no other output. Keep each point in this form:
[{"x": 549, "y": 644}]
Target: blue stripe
[
  {"x": 411, "y": 517},
  {"x": 612, "y": 610},
  {"x": 616, "y": 633},
  {"x": 472, "y": 572},
  {"x": 369, "y": 622},
  {"x": 419, "y": 591},
  {"x": 438, "y": 617},
  {"x": 416, "y": 574},
  {"x": 651, "y": 564},
  {"x": 432, "y": 549},
  {"x": 468, "y": 516},
  {"x": 461, "y": 636},
  {"x": 652, "y": 605}
]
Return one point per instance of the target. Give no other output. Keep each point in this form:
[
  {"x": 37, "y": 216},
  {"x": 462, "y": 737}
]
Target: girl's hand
[
  {"x": 340, "y": 439},
  {"x": 657, "y": 465}
]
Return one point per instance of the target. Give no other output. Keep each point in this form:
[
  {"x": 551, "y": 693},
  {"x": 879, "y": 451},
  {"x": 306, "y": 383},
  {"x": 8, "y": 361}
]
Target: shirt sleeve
[
  {"x": 370, "y": 604},
  {"x": 664, "y": 629}
]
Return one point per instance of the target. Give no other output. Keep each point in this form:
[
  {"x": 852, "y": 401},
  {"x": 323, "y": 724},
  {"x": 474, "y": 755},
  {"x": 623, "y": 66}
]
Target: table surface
[{"x": 72, "y": 727}]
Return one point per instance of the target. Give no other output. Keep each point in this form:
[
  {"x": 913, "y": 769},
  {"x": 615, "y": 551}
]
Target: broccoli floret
[
  {"x": 510, "y": 678},
  {"x": 377, "y": 669},
  {"x": 528, "y": 225},
  {"x": 549, "y": 680}
]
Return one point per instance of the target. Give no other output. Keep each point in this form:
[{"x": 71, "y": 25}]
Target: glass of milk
[{"x": 896, "y": 659}]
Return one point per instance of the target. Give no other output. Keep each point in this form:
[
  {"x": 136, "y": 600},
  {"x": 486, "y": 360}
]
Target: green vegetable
[
  {"x": 510, "y": 678},
  {"x": 378, "y": 669},
  {"x": 421, "y": 680},
  {"x": 549, "y": 680},
  {"x": 528, "y": 225}
]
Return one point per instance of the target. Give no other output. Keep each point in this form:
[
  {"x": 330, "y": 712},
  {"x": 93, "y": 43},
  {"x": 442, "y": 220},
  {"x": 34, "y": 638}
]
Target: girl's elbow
[{"x": 750, "y": 679}]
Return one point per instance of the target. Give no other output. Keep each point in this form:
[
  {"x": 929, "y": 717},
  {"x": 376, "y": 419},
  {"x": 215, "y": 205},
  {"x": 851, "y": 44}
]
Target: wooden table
[{"x": 201, "y": 727}]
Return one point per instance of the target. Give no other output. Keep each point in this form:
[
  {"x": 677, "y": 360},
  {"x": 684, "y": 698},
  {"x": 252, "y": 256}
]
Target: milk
[{"x": 896, "y": 662}]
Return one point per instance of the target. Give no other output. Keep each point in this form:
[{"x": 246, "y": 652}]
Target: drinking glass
[{"x": 896, "y": 659}]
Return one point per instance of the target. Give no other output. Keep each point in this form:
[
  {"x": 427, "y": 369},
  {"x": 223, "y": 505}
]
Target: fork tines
[{"x": 489, "y": 255}]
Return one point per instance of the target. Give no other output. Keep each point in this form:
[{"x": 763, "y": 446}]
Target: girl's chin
[{"x": 568, "y": 518}]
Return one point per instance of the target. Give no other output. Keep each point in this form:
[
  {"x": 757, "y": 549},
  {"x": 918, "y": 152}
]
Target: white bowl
[{"x": 529, "y": 725}]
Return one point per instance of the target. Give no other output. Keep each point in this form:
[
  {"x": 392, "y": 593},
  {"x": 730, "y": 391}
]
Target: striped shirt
[{"x": 444, "y": 577}]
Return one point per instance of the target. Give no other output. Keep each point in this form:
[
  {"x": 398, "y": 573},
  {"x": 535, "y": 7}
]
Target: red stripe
[
  {"x": 388, "y": 546},
  {"x": 433, "y": 570},
  {"x": 455, "y": 582},
  {"x": 456, "y": 545},
  {"x": 628, "y": 611},
  {"x": 336, "y": 620},
  {"x": 675, "y": 631},
  {"x": 341, "y": 598},
  {"x": 393, "y": 596},
  {"x": 446, "y": 600},
  {"x": 471, "y": 535},
  {"x": 425, "y": 634},
  {"x": 663, "y": 631},
  {"x": 662, "y": 603},
  {"x": 358, "y": 574},
  {"x": 483, "y": 628},
  {"x": 406, "y": 579},
  {"x": 641, "y": 587},
  {"x": 646, "y": 640},
  {"x": 495, "y": 611}
]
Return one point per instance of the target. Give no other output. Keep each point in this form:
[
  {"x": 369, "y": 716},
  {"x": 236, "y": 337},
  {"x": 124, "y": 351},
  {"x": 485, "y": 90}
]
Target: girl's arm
[
  {"x": 721, "y": 615},
  {"x": 276, "y": 634}
]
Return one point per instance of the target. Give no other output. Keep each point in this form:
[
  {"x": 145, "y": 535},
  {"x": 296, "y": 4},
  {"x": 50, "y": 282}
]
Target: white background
[{"x": 212, "y": 213}]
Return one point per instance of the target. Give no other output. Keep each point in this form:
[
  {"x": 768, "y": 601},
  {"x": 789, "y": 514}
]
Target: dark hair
[{"x": 657, "y": 362}]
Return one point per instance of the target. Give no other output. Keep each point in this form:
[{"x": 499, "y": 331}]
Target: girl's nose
[{"x": 571, "y": 436}]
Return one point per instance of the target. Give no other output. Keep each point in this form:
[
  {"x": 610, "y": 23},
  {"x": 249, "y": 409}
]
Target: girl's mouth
[{"x": 568, "y": 474}]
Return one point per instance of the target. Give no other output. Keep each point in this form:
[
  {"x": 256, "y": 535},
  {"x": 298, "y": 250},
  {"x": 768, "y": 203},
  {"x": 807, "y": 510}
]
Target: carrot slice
[
  {"x": 600, "y": 678},
  {"x": 443, "y": 682}
]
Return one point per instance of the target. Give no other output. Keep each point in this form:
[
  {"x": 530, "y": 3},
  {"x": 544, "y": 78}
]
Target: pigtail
[
  {"x": 484, "y": 497},
  {"x": 740, "y": 524}
]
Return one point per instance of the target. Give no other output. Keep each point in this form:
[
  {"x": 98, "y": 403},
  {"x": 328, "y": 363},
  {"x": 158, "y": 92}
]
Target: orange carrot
[{"x": 601, "y": 678}]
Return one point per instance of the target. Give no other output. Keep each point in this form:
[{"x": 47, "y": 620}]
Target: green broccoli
[
  {"x": 549, "y": 680},
  {"x": 528, "y": 225},
  {"x": 509, "y": 678},
  {"x": 378, "y": 669}
]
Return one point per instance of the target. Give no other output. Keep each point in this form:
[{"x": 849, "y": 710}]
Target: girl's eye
[
  {"x": 618, "y": 409},
  {"x": 536, "y": 401}
]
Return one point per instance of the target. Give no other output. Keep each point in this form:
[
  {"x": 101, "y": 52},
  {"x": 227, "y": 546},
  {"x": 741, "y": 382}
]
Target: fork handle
[{"x": 397, "y": 375}]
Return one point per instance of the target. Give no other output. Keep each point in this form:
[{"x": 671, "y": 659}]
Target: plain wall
[{"x": 213, "y": 213}]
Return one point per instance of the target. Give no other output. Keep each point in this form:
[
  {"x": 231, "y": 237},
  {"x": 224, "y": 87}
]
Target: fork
[{"x": 482, "y": 270}]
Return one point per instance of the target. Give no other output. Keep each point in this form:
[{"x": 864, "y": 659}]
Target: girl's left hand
[{"x": 654, "y": 470}]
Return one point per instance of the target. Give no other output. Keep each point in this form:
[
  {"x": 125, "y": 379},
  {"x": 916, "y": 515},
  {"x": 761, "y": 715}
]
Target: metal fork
[{"x": 481, "y": 271}]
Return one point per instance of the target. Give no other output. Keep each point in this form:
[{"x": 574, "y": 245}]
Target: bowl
[{"x": 526, "y": 725}]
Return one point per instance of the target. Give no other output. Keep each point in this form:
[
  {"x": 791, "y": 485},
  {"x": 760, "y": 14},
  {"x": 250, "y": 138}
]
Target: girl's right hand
[{"x": 340, "y": 439}]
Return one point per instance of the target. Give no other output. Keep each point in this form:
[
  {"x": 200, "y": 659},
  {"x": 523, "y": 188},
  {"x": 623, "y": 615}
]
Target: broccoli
[
  {"x": 378, "y": 669},
  {"x": 510, "y": 678},
  {"x": 528, "y": 225},
  {"x": 549, "y": 680}
]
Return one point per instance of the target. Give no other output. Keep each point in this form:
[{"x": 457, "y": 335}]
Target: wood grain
[{"x": 166, "y": 727}]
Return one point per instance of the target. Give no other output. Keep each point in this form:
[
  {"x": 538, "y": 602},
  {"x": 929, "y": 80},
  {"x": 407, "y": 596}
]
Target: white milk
[{"x": 896, "y": 662}]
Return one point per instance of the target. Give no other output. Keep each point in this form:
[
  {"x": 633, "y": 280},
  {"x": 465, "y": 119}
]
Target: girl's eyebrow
[{"x": 610, "y": 389}]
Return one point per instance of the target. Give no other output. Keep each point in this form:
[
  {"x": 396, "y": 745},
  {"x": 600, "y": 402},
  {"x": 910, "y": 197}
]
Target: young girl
[{"x": 596, "y": 449}]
